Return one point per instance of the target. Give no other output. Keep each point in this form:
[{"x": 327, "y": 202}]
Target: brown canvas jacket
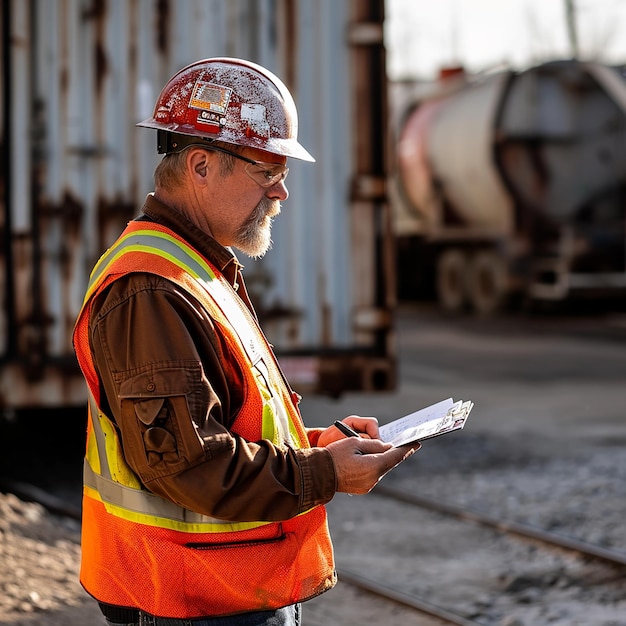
[{"x": 144, "y": 326}]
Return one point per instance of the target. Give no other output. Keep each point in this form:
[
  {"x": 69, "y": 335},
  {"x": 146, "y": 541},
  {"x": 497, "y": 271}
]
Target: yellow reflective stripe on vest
[
  {"x": 92, "y": 453},
  {"x": 109, "y": 462},
  {"x": 143, "y": 507},
  {"x": 144, "y": 241}
]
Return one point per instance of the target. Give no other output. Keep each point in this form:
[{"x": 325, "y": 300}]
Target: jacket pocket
[
  {"x": 234, "y": 544},
  {"x": 266, "y": 534},
  {"x": 157, "y": 426}
]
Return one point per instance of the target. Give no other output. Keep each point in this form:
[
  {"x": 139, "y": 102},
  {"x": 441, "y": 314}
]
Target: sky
[{"x": 483, "y": 35}]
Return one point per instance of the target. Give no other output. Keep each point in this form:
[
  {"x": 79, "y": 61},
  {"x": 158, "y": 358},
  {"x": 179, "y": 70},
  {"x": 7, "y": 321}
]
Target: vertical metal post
[
  {"x": 6, "y": 176},
  {"x": 572, "y": 31},
  {"x": 37, "y": 322},
  {"x": 369, "y": 190}
]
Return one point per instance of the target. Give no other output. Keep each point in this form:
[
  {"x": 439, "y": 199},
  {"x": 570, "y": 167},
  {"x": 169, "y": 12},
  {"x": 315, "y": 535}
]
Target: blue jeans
[{"x": 287, "y": 616}]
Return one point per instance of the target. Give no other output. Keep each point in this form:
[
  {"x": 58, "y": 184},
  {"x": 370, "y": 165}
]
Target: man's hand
[
  {"x": 367, "y": 427},
  {"x": 361, "y": 463}
]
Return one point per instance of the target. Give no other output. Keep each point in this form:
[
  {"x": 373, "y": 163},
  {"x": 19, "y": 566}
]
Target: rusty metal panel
[
  {"x": 84, "y": 72},
  {"x": 310, "y": 292}
]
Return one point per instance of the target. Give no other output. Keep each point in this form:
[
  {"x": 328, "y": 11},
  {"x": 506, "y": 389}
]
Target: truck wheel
[
  {"x": 452, "y": 279},
  {"x": 487, "y": 282}
]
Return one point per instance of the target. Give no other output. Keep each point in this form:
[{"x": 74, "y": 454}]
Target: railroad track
[
  {"x": 31, "y": 493},
  {"x": 613, "y": 558},
  {"x": 413, "y": 602}
]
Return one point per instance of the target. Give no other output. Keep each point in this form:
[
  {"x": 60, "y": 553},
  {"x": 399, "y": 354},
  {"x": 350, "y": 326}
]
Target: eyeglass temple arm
[{"x": 174, "y": 142}]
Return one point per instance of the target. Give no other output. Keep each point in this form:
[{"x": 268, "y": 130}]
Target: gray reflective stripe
[
  {"x": 100, "y": 438},
  {"x": 142, "y": 502},
  {"x": 165, "y": 244}
]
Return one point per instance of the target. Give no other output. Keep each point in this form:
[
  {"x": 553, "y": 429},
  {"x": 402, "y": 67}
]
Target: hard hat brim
[{"x": 284, "y": 147}]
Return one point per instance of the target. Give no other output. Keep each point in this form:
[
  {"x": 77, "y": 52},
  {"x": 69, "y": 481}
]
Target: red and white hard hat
[{"x": 233, "y": 101}]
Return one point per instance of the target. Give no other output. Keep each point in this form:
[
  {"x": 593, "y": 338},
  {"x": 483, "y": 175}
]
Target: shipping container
[{"x": 77, "y": 75}]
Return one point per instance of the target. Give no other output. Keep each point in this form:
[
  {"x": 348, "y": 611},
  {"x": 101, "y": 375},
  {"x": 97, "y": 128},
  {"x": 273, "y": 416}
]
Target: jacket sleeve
[{"x": 161, "y": 366}]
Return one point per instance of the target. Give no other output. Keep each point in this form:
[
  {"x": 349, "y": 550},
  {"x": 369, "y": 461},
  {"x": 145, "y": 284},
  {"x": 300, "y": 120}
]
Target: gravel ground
[
  {"x": 581, "y": 494},
  {"x": 39, "y": 553}
]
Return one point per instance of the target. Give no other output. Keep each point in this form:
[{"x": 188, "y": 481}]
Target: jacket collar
[{"x": 223, "y": 258}]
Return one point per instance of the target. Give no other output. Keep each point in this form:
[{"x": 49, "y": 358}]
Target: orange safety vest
[{"x": 142, "y": 551}]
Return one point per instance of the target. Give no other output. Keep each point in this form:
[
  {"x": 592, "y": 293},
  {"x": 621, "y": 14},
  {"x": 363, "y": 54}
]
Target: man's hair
[{"x": 170, "y": 172}]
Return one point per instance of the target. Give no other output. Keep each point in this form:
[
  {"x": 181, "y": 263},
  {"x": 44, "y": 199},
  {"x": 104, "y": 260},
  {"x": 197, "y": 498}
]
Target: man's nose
[{"x": 278, "y": 191}]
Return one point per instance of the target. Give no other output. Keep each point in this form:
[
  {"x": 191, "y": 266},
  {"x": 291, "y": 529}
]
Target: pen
[{"x": 346, "y": 430}]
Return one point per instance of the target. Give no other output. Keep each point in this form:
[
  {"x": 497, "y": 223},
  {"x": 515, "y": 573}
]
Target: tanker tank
[{"x": 515, "y": 184}]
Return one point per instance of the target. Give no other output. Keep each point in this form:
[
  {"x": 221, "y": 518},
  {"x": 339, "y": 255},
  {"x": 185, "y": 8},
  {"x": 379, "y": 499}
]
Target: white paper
[{"x": 440, "y": 418}]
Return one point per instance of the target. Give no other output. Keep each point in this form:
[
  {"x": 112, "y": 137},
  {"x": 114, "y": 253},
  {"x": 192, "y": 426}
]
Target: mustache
[{"x": 268, "y": 208}]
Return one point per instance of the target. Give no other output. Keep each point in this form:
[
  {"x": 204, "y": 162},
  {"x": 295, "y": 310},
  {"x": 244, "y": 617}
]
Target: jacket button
[{"x": 150, "y": 386}]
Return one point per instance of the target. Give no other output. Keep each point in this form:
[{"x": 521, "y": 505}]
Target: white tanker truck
[{"x": 514, "y": 183}]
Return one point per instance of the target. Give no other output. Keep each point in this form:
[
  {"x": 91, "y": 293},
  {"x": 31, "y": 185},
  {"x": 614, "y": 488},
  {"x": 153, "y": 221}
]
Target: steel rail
[
  {"x": 613, "y": 557},
  {"x": 400, "y": 597},
  {"x": 32, "y": 493}
]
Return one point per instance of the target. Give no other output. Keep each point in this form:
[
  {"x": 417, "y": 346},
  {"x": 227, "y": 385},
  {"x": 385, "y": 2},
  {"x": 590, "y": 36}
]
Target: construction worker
[{"x": 204, "y": 493}]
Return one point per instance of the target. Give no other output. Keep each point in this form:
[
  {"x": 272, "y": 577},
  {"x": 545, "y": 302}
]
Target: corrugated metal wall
[{"x": 79, "y": 74}]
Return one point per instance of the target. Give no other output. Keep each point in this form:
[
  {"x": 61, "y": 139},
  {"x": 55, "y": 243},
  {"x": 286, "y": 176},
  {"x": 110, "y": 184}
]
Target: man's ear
[{"x": 199, "y": 164}]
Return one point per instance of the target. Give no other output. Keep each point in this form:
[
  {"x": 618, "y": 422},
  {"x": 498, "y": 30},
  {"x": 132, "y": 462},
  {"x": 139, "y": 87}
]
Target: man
[{"x": 204, "y": 493}]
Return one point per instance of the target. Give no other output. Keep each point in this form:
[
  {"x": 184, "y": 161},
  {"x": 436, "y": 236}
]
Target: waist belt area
[
  {"x": 133, "y": 617},
  {"x": 119, "y": 614}
]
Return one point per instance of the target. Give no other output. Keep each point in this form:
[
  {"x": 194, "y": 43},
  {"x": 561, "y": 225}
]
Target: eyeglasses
[{"x": 263, "y": 174}]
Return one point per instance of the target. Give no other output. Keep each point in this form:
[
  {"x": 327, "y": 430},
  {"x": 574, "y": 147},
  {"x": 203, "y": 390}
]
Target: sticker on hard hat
[
  {"x": 255, "y": 115},
  {"x": 210, "y": 97},
  {"x": 208, "y": 117},
  {"x": 253, "y": 112}
]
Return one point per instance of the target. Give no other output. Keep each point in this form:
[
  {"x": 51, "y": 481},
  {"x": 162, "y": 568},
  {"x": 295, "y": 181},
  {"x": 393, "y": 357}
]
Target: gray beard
[{"x": 254, "y": 237}]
